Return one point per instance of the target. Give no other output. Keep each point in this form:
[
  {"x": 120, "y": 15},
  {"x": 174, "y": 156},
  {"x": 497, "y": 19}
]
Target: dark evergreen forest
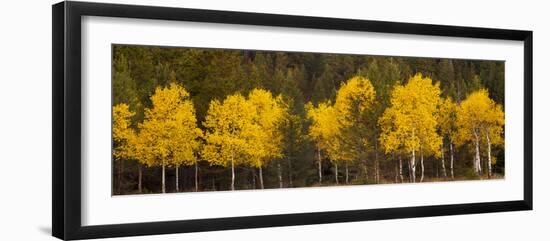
[{"x": 300, "y": 78}]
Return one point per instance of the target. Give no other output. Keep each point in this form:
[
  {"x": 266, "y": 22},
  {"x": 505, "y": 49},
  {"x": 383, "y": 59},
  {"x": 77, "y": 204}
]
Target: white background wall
[{"x": 25, "y": 119}]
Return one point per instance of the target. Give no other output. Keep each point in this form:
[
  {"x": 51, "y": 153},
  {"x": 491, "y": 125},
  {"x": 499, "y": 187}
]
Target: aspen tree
[
  {"x": 123, "y": 137},
  {"x": 354, "y": 102},
  {"x": 480, "y": 118},
  {"x": 186, "y": 139},
  {"x": 264, "y": 134},
  {"x": 227, "y": 125},
  {"x": 323, "y": 131},
  {"x": 168, "y": 134},
  {"x": 447, "y": 128},
  {"x": 410, "y": 123}
]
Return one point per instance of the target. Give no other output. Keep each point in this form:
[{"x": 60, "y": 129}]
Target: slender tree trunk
[
  {"x": 422, "y": 165},
  {"x": 213, "y": 184},
  {"x": 261, "y": 178},
  {"x": 452, "y": 161},
  {"x": 477, "y": 162},
  {"x": 489, "y": 168},
  {"x": 396, "y": 173},
  {"x": 289, "y": 171},
  {"x": 177, "y": 179},
  {"x": 196, "y": 176},
  {"x": 320, "y": 172},
  {"x": 376, "y": 163},
  {"x": 232, "y": 165},
  {"x": 232, "y": 173},
  {"x": 140, "y": 175},
  {"x": 377, "y": 171},
  {"x": 280, "y": 172},
  {"x": 436, "y": 167},
  {"x": 400, "y": 169},
  {"x": 412, "y": 170},
  {"x": 481, "y": 160},
  {"x": 347, "y": 173},
  {"x": 120, "y": 168},
  {"x": 365, "y": 170},
  {"x": 253, "y": 179},
  {"x": 413, "y": 163},
  {"x": 443, "y": 161},
  {"x": 163, "y": 177},
  {"x": 336, "y": 173}
]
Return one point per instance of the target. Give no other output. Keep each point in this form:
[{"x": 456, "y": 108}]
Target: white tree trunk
[
  {"x": 319, "y": 161},
  {"x": 400, "y": 169},
  {"x": 443, "y": 161},
  {"x": 422, "y": 165},
  {"x": 477, "y": 159},
  {"x": 280, "y": 173},
  {"x": 347, "y": 173},
  {"x": 396, "y": 173},
  {"x": 452, "y": 161},
  {"x": 232, "y": 165},
  {"x": 261, "y": 178},
  {"x": 410, "y": 169},
  {"x": 436, "y": 170},
  {"x": 376, "y": 164},
  {"x": 413, "y": 167},
  {"x": 365, "y": 170},
  {"x": 196, "y": 176},
  {"x": 253, "y": 179},
  {"x": 489, "y": 169},
  {"x": 232, "y": 173},
  {"x": 336, "y": 172},
  {"x": 163, "y": 177},
  {"x": 120, "y": 168},
  {"x": 177, "y": 179},
  {"x": 140, "y": 175},
  {"x": 289, "y": 172}
]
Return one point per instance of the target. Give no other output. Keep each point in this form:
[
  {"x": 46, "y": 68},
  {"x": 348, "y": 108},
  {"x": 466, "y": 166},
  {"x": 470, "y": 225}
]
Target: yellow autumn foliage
[
  {"x": 410, "y": 123},
  {"x": 264, "y": 134},
  {"x": 225, "y": 124},
  {"x": 479, "y": 115},
  {"x": 325, "y": 128},
  {"x": 447, "y": 117},
  {"x": 340, "y": 130},
  {"x": 169, "y": 133},
  {"x": 354, "y": 98},
  {"x": 354, "y": 103},
  {"x": 123, "y": 134},
  {"x": 244, "y": 131}
]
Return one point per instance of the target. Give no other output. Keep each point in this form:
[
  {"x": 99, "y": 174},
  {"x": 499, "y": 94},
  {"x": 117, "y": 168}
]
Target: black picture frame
[{"x": 66, "y": 129}]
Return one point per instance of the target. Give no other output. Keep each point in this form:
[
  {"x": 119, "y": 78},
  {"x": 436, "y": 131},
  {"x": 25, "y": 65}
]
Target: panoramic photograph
[{"x": 203, "y": 120}]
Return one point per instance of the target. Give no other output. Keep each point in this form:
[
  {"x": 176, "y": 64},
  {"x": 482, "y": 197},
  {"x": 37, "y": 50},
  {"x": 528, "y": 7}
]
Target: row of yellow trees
[
  {"x": 417, "y": 122},
  {"x": 238, "y": 131},
  {"x": 245, "y": 130}
]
